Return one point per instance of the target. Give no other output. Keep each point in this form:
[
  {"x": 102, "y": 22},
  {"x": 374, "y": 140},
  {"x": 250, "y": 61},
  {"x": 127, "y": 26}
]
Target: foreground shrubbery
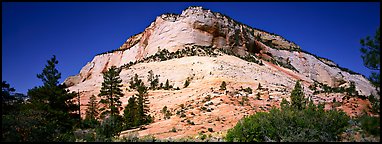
[
  {"x": 289, "y": 124},
  {"x": 370, "y": 124},
  {"x": 298, "y": 122}
]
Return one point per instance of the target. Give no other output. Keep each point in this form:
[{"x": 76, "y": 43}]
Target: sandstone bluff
[{"x": 242, "y": 57}]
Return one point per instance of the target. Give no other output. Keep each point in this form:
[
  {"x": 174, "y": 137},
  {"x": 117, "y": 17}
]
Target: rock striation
[
  {"x": 199, "y": 26},
  {"x": 245, "y": 57}
]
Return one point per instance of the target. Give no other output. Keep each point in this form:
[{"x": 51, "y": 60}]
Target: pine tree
[
  {"x": 223, "y": 86},
  {"x": 50, "y": 74},
  {"x": 166, "y": 85},
  {"x": 55, "y": 101},
  {"x": 7, "y": 100},
  {"x": 134, "y": 82},
  {"x": 111, "y": 89},
  {"x": 130, "y": 112},
  {"x": 142, "y": 103},
  {"x": 91, "y": 114},
  {"x": 284, "y": 104},
  {"x": 351, "y": 91},
  {"x": 297, "y": 96},
  {"x": 92, "y": 111},
  {"x": 155, "y": 81},
  {"x": 152, "y": 80},
  {"x": 259, "y": 87},
  {"x": 371, "y": 54}
]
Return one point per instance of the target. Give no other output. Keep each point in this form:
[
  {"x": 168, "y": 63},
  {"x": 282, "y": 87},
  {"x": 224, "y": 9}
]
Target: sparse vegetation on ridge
[{"x": 163, "y": 55}]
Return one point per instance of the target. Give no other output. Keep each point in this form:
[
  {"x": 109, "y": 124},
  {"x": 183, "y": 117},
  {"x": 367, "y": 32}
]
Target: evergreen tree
[
  {"x": 152, "y": 80},
  {"x": 92, "y": 113},
  {"x": 134, "y": 82},
  {"x": 371, "y": 50},
  {"x": 284, "y": 104},
  {"x": 223, "y": 86},
  {"x": 186, "y": 83},
  {"x": 7, "y": 98},
  {"x": 259, "y": 87},
  {"x": 297, "y": 96},
  {"x": 351, "y": 90},
  {"x": 166, "y": 85},
  {"x": 142, "y": 105},
  {"x": 155, "y": 81},
  {"x": 50, "y": 74},
  {"x": 54, "y": 103},
  {"x": 111, "y": 89},
  {"x": 164, "y": 112},
  {"x": 130, "y": 112}
]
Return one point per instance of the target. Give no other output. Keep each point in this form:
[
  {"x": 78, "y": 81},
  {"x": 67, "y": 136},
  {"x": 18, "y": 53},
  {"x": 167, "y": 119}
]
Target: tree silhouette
[
  {"x": 371, "y": 50},
  {"x": 53, "y": 102}
]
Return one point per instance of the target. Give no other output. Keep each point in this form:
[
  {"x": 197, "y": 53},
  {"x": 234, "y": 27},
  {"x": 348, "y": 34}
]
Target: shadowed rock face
[{"x": 201, "y": 27}]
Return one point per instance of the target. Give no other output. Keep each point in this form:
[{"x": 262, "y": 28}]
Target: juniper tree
[
  {"x": 111, "y": 91},
  {"x": 166, "y": 113}
]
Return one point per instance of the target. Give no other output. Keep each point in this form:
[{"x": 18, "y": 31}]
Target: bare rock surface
[{"x": 198, "y": 26}]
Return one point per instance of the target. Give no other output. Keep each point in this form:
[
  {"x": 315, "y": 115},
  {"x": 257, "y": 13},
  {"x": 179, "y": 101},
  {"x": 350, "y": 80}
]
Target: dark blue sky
[{"x": 76, "y": 32}]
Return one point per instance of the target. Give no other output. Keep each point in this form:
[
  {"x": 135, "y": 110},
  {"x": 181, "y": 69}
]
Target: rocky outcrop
[
  {"x": 198, "y": 26},
  {"x": 282, "y": 64}
]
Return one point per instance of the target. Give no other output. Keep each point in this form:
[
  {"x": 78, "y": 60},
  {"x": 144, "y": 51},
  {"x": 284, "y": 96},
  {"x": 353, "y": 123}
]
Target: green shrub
[
  {"x": 290, "y": 124},
  {"x": 248, "y": 90},
  {"x": 110, "y": 127},
  {"x": 370, "y": 124},
  {"x": 173, "y": 129}
]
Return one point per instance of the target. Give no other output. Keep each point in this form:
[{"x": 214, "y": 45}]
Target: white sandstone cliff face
[
  {"x": 315, "y": 69},
  {"x": 172, "y": 32},
  {"x": 196, "y": 26}
]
